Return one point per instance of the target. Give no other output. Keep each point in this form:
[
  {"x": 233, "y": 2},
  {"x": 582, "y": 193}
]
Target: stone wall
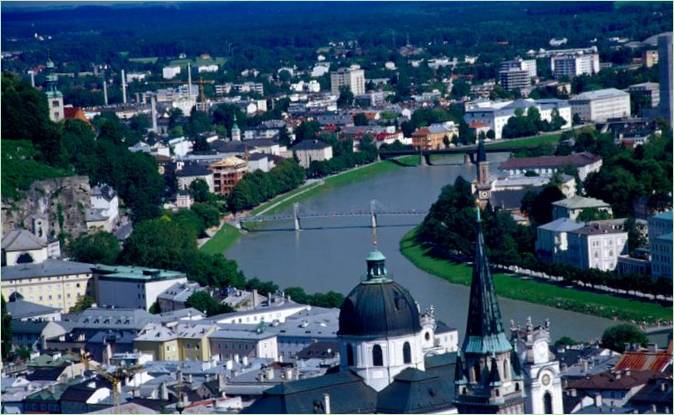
[{"x": 60, "y": 203}]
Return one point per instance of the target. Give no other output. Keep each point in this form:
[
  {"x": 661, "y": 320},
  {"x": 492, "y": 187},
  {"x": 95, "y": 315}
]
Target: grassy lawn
[
  {"x": 602, "y": 305},
  {"x": 527, "y": 142},
  {"x": 223, "y": 239}
]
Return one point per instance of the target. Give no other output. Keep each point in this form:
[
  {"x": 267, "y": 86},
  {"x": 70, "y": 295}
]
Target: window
[
  {"x": 547, "y": 402},
  {"x": 407, "y": 353},
  {"x": 377, "y": 356},
  {"x": 427, "y": 336},
  {"x": 349, "y": 354}
]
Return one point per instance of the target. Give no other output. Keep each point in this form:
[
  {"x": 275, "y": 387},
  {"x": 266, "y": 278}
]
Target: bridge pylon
[
  {"x": 373, "y": 215},
  {"x": 296, "y": 217}
]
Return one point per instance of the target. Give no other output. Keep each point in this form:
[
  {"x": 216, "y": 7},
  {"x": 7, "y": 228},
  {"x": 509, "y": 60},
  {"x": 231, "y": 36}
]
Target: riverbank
[
  {"x": 227, "y": 235},
  {"x": 524, "y": 289}
]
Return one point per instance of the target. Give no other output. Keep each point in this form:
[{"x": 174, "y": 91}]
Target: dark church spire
[{"x": 484, "y": 330}]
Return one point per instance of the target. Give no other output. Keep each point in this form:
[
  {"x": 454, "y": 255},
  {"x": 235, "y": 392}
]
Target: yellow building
[
  {"x": 159, "y": 341},
  {"x": 184, "y": 341},
  {"x": 193, "y": 341},
  {"x": 51, "y": 283}
]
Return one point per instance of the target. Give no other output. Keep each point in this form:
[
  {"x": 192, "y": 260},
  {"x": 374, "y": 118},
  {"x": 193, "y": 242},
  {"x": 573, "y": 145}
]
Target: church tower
[
  {"x": 379, "y": 328},
  {"x": 488, "y": 371},
  {"x": 236, "y": 132},
  {"x": 542, "y": 381},
  {"x": 54, "y": 96},
  {"x": 483, "y": 181}
]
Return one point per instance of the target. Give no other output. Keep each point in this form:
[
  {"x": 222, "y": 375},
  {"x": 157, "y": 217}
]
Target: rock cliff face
[{"x": 50, "y": 207}]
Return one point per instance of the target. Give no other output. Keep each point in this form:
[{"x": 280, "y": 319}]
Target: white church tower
[{"x": 542, "y": 380}]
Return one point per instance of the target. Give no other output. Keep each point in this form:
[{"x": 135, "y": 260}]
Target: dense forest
[{"x": 267, "y": 35}]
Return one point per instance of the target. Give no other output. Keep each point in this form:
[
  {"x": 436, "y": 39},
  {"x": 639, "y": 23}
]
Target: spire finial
[
  {"x": 374, "y": 238},
  {"x": 477, "y": 210}
]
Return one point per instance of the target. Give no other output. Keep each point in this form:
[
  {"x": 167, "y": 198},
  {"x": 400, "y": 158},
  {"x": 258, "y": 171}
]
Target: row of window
[{"x": 378, "y": 355}]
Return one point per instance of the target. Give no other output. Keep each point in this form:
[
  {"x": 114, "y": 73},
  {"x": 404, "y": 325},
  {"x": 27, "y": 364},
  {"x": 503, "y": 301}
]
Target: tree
[
  {"x": 541, "y": 207},
  {"x": 208, "y": 213},
  {"x": 565, "y": 341},
  {"x": 159, "y": 243},
  {"x": 635, "y": 237},
  {"x": 618, "y": 337},
  {"x": 204, "y": 302},
  {"x": 6, "y": 331},
  {"x": 360, "y": 119},
  {"x": 97, "y": 248},
  {"x": 82, "y": 303},
  {"x": 308, "y": 130},
  {"x": 591, "y": 214},
  {"x": 491, "y": 134},
  {"x": 576, "y": 119},
  {"x": 345, "y": 97},
  {"x": 155, "y": 308},
  {"x": 199, "y": 191}
]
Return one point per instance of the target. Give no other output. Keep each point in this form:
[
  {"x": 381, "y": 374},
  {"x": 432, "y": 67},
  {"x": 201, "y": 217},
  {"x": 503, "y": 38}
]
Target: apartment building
[
  {"x": 660, "y": 241},
  {"x": 352, "y": 77},
  {"x": 515, "y": 79},
  {"x": 520, "y": 64},
  {"x": 227, "y": 173},
  {"x": 601, "y": 105},
  {"x": 574, "y": 64}
]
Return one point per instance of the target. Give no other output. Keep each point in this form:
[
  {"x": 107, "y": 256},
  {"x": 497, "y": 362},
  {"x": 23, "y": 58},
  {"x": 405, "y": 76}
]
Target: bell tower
[
  {"x": 483, "y": 182},
  {"x": 54, "y": 96},
  {"x": 488, "y": 371}
]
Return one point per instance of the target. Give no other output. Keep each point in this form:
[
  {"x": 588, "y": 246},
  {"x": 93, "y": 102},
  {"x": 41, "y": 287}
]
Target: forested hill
[
  {"x": 262, "y": 34},
  {"x": 34, "y": 148}
]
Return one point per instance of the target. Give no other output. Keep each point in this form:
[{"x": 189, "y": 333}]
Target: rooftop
[
  {"x": 562, "y": 225},
  {"x": 576, "y": 159},
  {"x": 134, "y": 273},
  {"x": 580, "y": 202},
  {"x": 21, "y": 240},
  {"x": 48, "y": 268},
  {"x": 600, "y": 94},
  {"x": 310, "y": 145}
]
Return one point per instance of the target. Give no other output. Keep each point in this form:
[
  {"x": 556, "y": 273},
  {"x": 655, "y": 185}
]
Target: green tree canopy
[
  {"x": 97, "y": 248},
  {"x": 617, "y": 337},
  {"x": 204, "y": 302}
]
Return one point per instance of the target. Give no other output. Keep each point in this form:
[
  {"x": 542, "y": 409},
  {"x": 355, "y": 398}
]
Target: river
[{"x": 329, "y": 254}]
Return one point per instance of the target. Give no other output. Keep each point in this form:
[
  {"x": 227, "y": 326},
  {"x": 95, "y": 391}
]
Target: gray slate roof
[
  {"x": 21, "y": 240},
  {"x": 25, "y": 309},
  {"x": 48, "y": 268},
  {"x": 414, "y": 391}
]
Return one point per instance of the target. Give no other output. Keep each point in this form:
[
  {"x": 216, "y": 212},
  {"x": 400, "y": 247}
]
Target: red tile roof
[
  {"x": 477, "y": 124},
  {"x": 645, "y": 360},
  {"x": 577, "y": 160}
]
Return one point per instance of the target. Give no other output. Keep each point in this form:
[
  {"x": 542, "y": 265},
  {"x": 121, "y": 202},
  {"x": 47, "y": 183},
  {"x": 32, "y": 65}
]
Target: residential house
[
  {"x": 227, "y": 173},
  {"x": 573, "y": 206},
  {"x": 307, "y": 151}
]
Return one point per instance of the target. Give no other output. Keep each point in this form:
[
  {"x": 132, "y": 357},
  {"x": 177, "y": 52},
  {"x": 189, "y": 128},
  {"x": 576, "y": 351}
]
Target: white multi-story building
[
  {"x": 573, "y": 206},
  {"x": 600, "y": 105},
  {"x": 170, "y": 72},
  {"x": 520, "y": 64},
  {"x": 513, "y": 79},
  {"x": 311, "y": 150},
  {"x": 104, "y": 198},
  {"x": 597, "y": 245},
  {"x": 495, "y": 114},
  {"x": 352, "y": 77},
  {"x": 574, "y": 64},
  {"x": 132, "y": 287}
]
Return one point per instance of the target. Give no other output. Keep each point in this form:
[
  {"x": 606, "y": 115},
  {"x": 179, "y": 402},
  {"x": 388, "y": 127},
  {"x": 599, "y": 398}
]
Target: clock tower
[
  {"x": 542, "y": 380},
  {"x": 483, "y": 182}
]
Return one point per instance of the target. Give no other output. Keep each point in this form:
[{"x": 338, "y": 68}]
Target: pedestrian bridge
[{"x": 299, "y": 214}]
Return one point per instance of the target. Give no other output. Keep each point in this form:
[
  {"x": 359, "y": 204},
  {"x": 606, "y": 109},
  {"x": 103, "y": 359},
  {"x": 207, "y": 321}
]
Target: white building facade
[
  {"x": 600, "y": 105},
  {"x": 352, "y": 77}
]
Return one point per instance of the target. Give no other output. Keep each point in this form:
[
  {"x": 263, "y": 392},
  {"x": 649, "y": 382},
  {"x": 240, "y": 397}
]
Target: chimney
[
  {"x": 326, "y": 402},
  {"x": 163, "y": 391},
  {"x": 221, "y": 382},
  {"x": 105, "y": 90},
  {"x": 585, "y": 365},
  {"x": 153, "y": 101},
  {"x": 254, "y": 298},
  {"x": 123, "y": 87}
]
